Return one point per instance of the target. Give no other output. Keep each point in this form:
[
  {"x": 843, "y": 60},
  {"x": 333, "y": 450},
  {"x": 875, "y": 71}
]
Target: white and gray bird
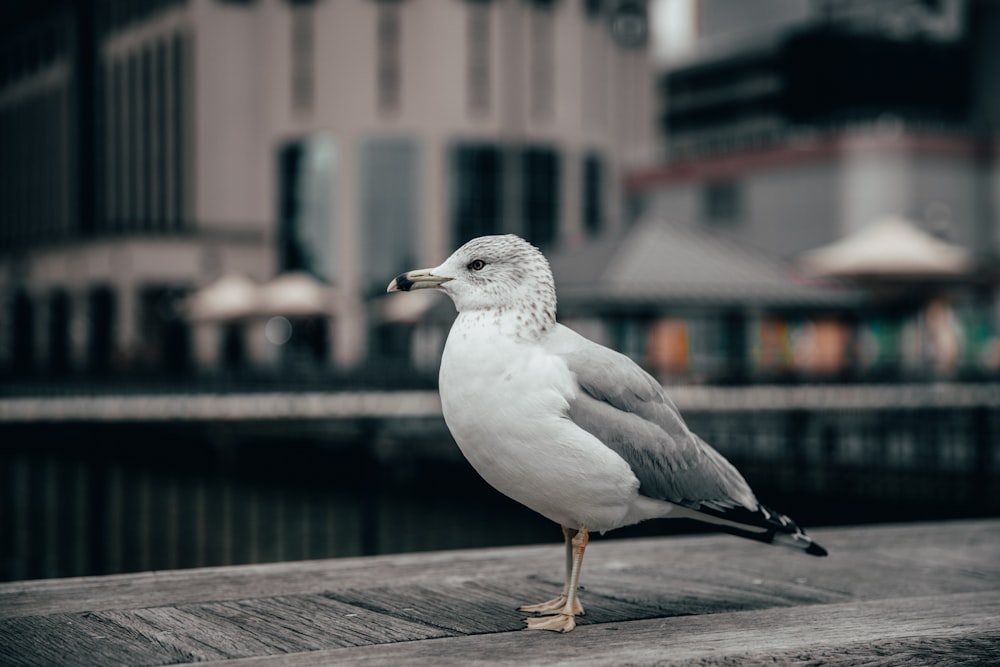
[{"x": 571, "y": 429}]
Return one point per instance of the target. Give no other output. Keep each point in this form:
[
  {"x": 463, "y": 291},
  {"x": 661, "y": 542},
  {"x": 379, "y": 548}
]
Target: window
[
  {"x": 148, "y": 95},
  {"x": 629, "y": 24},
  {"x": 484, "y": 177},
  {"x": 722, "y": 202},
  {"x": 478, "y": 64},
  {"x": 390, "y": 205},
  {"x": 307, "y": 178},
  {"x": 387, "y": 39},
  {"x": 592, "y": 194},
  {"x": 594, "y": 59},
  {"x": 541, "y": 194},
  {"x": 303, "y": 35},
  {"x": 476, "y": 187},
  {"x": 542, "y": 27}
]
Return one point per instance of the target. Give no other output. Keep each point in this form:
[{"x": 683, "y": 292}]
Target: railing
[
  {"x": 197, "y": 479},
  {"x": 373, "y": 376}
]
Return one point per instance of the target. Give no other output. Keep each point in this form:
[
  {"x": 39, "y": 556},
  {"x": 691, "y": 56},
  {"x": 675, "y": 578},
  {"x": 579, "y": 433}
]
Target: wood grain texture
[
  {"x": 917, "y": 593},
  {"x": 847, "y": 633}
]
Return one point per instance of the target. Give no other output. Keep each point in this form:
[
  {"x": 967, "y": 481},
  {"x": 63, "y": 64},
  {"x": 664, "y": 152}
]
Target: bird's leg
[
  {"x": 555, "y": 605},
  {"x": 564, "y": 620}
]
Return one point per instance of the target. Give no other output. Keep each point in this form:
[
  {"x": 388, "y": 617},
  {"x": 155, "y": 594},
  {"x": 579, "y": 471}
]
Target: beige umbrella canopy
[
  {"x": 233, "y": 296},
  {"x": 294, "y": 294},
  {"x": 889, "y": 249},
  {"x": 407, "y": 311}
]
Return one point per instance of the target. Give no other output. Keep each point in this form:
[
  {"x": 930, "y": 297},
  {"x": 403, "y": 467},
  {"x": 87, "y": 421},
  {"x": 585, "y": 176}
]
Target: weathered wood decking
[{"x": 917, "y": 594}]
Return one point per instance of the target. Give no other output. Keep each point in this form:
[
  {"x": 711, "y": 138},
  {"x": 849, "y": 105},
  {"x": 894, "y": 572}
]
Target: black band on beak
[{"x": 403, "y": 284}]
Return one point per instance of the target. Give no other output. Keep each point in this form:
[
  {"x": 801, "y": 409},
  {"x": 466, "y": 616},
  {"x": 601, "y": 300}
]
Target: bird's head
[{"x": 490, "y": 272}]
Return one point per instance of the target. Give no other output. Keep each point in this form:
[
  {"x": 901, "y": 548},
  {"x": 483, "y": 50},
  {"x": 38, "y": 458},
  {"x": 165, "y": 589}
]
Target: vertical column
[
  {"x": 85, "y": 130},
  {"x": 163, "y": 220},
  {"x": 351, "y": 322},
  {"x": 133, "y": 167},
  {"x": 43, "y": 310},
  {"x": 571, "y": 223},
  {"x": 207, "y": 343},
  {"x": 168, "y": 102},
  {"x": 109, "y": 210},
  {"x": 126, "y": 337},
  {"x": 120, "y": 177},
  {"x": 79, "y": 317},
  {"x": 147, "y": 138},
  {"x": 183, "y": 130},
  {"x": 6, "y": 309},
  {"x": 154, "y": 138}
]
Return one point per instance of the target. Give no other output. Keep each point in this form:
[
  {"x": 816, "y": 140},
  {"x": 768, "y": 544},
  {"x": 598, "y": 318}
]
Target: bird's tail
[
  {"x": 764, "y": 525},
  {"x": 788, "y": 534}
]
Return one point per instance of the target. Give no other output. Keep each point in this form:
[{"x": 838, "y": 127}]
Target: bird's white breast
[{"x": 505, "y": 402}]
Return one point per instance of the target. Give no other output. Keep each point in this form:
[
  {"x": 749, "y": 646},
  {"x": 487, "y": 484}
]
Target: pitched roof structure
[{"x": 654, "y": 262}]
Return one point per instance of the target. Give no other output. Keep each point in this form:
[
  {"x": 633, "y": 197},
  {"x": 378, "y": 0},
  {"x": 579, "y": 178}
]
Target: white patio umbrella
[
  {"x": 232, "y": 297},
  {"x": 294, "y": 294},
  {"x": 892, "y": 249},
  {"x": 408, "y": 311}
]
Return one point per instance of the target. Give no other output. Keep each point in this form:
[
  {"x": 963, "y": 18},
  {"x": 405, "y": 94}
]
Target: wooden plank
[
  {"x": 81, "y": 639},
  {"x": 323, "y": 607},
  {"x": 879, "y": 632},
  {"x": 206, "y": 631},
  {"x": 866, "y": 561},
  {"x": 476, "y": 607}
]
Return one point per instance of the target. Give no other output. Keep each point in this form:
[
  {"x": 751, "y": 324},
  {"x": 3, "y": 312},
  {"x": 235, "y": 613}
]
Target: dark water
[{"x": 80, "y": 499}]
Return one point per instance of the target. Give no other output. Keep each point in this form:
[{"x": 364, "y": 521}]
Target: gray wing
[{"x": 627, "y": 410}]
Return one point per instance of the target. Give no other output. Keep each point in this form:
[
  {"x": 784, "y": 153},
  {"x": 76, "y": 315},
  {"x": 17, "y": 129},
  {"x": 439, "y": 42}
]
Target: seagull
[{"x": 569, "y": 428}]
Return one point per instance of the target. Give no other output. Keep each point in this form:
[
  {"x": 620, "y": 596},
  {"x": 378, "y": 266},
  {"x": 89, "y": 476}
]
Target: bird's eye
[{"x": 476, "y": 265}]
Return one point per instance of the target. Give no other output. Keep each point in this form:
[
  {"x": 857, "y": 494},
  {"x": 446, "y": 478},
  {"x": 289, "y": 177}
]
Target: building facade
[
  {"x": 795, "y": 137},
  {"x": 812, "y": 130},
  {"x": 157, "y": 146}
]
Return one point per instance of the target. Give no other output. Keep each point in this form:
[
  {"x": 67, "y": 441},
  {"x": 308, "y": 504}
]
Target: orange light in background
[
  {"x": 821, "y": 348},
  {"x": 667, "y": 347},
  {"x": 774, "y": 349}
]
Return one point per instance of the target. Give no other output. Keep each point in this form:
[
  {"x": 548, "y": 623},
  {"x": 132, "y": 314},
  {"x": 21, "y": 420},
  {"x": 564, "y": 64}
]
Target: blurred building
[
  {"x": 153, "y": 148},
  {"x": 692, "y": 305},
  {"x": 821, "y": 119}
]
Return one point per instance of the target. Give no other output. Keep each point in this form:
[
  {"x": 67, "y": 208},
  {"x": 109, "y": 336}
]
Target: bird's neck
[{"x": 526, "y": 323}]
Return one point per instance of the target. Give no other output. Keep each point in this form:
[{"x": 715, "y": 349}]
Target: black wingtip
[{"x": 816, "y": 550}]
